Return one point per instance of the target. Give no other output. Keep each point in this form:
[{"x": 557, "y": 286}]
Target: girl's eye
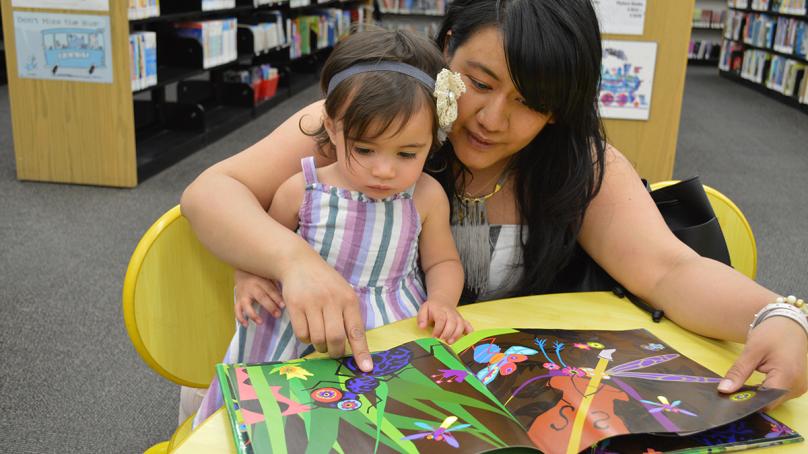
[
  {"x": 477, "y": 84},
  {"x": 363, "y": 151},
  {"x": 407, "y": 155}
]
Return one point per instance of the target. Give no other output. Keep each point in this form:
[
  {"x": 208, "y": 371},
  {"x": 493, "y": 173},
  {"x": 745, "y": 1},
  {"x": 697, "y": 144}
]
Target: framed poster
[
  {"x": 626, "y": 79},
  {"x": 63, "y": 47}
]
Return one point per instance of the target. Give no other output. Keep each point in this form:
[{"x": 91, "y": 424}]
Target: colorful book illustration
[{"x": 552, "y": 391}]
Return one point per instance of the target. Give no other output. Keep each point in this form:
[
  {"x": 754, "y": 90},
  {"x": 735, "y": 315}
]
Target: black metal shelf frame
[
  {"x": 801, "y": 58},
  {"x": 775, "y": 13}
]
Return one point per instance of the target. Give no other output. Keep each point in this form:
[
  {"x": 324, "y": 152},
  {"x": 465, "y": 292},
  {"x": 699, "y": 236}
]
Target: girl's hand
[
  {"x": 777, "y": 347},
  {"x": 324, "y": 309},
  {"x": 251, "y": 289},
  {"x": 449, "y": 324}
]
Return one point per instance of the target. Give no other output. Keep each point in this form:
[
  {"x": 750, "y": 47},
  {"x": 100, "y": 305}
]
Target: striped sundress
[{"x": 372, "y": 243}]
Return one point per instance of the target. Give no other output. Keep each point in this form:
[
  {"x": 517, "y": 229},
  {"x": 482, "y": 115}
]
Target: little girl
[{"x": 372, "y": 214}]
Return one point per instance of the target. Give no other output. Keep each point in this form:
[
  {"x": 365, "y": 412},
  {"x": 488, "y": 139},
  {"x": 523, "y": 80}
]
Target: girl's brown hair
[{"x": 368, "y": 104}]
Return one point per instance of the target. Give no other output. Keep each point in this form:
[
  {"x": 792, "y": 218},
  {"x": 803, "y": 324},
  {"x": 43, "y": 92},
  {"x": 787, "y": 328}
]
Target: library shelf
[{"x": 734, "y": 72}]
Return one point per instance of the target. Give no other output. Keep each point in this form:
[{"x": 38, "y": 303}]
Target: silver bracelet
[{"x": 780, "y": 309}]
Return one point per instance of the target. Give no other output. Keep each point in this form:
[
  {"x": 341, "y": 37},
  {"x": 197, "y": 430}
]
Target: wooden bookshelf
[
  {"x": 108, "y": 134},
  {"x": 651, "y": 145}
]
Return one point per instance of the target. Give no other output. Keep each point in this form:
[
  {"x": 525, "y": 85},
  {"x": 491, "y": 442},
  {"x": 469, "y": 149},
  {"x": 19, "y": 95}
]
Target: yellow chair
[
  {"x": 177, "y": 307},
  {"x": 737, "y": 232}
]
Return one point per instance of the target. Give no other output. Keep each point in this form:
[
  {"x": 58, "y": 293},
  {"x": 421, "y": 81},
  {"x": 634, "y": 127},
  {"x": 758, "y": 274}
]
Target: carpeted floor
[{"x": 73, "y": 383}]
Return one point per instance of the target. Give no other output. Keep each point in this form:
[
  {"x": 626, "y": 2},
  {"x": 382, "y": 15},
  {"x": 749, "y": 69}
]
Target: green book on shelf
[{"x": 552, "y": 391}]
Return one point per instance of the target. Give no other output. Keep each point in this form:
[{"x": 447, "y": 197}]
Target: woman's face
[{"x": 493, "y": 121}]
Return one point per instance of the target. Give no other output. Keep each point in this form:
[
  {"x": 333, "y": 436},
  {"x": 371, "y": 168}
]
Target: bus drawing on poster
[
  {"x": 627, "y": 74},
  {"x": 68, "y": 47},
  {"x": 74, "y": 48}
]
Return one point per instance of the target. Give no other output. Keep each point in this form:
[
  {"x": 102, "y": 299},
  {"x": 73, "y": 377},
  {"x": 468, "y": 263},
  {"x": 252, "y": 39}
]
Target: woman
[{"x": 526, "y": 162}]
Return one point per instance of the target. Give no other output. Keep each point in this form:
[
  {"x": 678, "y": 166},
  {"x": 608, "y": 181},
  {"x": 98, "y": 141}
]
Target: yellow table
[{"x": 599, "y": 310}]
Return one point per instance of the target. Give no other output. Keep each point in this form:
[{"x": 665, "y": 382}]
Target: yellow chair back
[
  {"x": 178, "y": 302},
  {"x": 737, "y": 232}
]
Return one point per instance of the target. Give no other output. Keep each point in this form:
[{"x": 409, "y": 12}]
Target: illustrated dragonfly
[{"x": 442, "y": 433}]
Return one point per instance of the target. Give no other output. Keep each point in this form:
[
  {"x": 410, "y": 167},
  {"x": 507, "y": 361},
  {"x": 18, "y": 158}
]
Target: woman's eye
[
  {"x": 360, "y": 150},
  {"x": 407, "y": 155},
  {"x": 477, "y": 84}
]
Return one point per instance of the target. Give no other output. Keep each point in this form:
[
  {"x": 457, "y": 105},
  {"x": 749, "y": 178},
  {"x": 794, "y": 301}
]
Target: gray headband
[{"x": 393, "y": 66}]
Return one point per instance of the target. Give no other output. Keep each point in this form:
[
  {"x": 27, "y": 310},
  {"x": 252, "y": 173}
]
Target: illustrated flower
[
  {"x": 582, "y": 346},
  {"x": 597, "y": 345},
  {"x": 573, "y": 372},
  {"x": 742, "y": 396},
  {"x": 665, "y": 405},
  {"x": 450, "y": 375},
  {"x": 551, "y": 366},
  {"x": 292, "y": 371},
  {"x": 448, "y": 87}
]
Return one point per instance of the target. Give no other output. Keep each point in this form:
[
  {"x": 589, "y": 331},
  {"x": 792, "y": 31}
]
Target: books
[
  {"x": 141, "y": 9},
  {"x": 553, "y": 390},
  {"x": 216, "y": 37},
  {"x": 143, "y": 59}
]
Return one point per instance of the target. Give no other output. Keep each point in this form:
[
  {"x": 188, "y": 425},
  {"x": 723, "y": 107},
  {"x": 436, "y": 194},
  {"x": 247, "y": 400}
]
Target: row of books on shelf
[
  {"x": 327, "y": 26},
  {"x": 776, "y": 72},
  {"x": 141, "y": 9},
  {"x": 217, "y": 38},
  {"x": 213, "y": 5},
  {"x": 262, "y": 78},
  {"x": 709, "y": 18},
  {"x": 143, "y": 59},
  {"x": 791, "y": 36},
  {"x": 703, "y": 50},
  {"x": 268, "y": 33},
  {"x": 797, "y": 7},
  {"x": 302, "y": 3},
  {"x": 430, "y": 7},
  {"x": 783, "y": 34}
]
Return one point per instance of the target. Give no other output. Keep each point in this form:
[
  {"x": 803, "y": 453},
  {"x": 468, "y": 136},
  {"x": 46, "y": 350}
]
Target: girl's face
[
  {"x": 387, "y": 164},
  {"x": 493, "y": 121}
]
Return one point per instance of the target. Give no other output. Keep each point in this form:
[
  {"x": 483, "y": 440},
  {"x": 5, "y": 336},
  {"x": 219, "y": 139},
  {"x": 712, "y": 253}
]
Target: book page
[
  {"x": 572, "y": 389},
  {"x": 418, "y": 398}
]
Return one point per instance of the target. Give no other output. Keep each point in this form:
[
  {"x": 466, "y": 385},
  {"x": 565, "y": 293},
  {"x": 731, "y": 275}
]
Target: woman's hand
[
  {"x": 250, "y": 289},
  {"x": 324, "y": 309},
  {"x": 449, "y": 324},
  {"x": 777, "y": 347}
]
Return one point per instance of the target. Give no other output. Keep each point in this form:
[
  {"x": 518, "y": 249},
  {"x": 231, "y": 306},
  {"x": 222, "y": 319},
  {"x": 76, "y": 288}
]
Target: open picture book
[{"x": 552, "y": 391}]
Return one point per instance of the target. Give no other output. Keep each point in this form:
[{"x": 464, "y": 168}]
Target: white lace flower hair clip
[{"x": 448, "y": 87}]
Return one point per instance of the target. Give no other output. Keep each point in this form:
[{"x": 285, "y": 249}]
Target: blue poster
[{"x": 73, "y": 47}]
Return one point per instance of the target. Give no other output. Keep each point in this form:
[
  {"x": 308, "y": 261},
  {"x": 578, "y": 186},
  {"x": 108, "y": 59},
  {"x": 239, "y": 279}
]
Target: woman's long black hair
[{"x": 553, "y": 50}]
